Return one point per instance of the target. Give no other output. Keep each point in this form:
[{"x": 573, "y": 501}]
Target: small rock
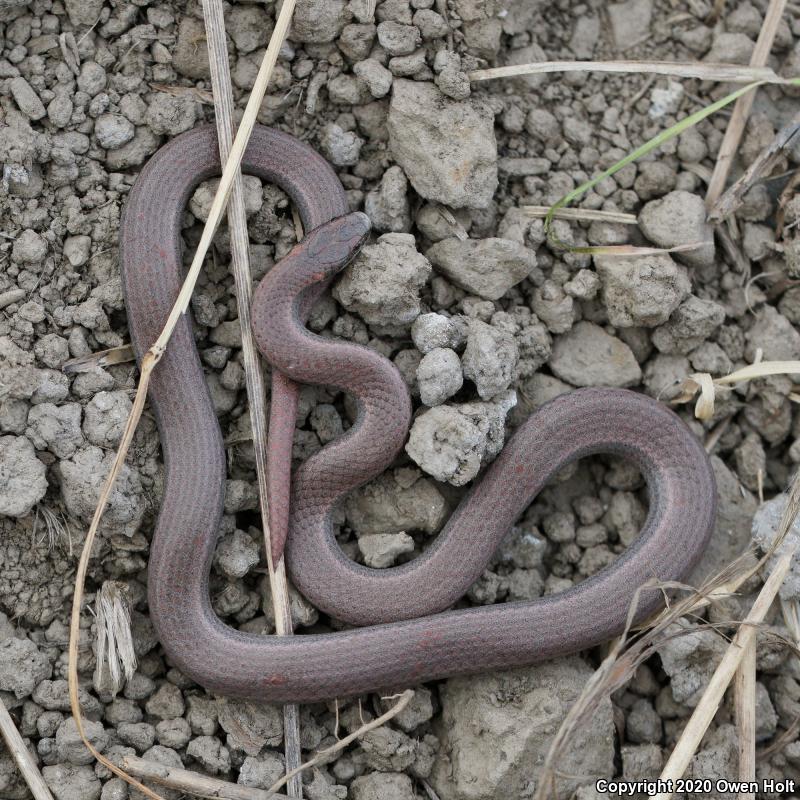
[
  {"x": 26, "y": 99},
  {"x": 766, "y": 526},
  {"x": 92, "y": 78},
  {"x": 588, "y": 356},
  {"x": 451, "y": 442},
  {"x": 211, "y": 754},
  {"x": 439, "y": 376},
  {"x": 29, "y": 248},
  {"x": 630, "y": 22},
  {"x": 190, "y": 56},
  {"x": 317, "y": 21},
  {"x": 554, "y": 307},
  {"x": 690, "y": 325},
  {"x": 446, "y": 148},
  {"x": 113, "y": 131},
  {"x": 430, "y": 331},
  {"x": 690, "y": 657},
  {"x": 679, "y": 218},
  {"x": 486, "y": 267},
  {"x": 382, "y": 283},
  {"x": 22, "y": 477},
  {"x": 77, "y": 250},
  {"x": 395, "y": 502},
  {"x": 250, "y": 726},
  {"x": 375, "y": 75},
  {"x": 397, "y": 39},
  {"x": 170, "y": 114},
  {"x": 236, "y": 553},
  {"x": 105, "y": 418},
  {"x": 22, "y": 666},
  {"x": 166, "y": 703},
  {"x": 70, "y": 745},
  {"x": 249, "y": 27},
  {"x": 135, "y": 152},
  {"x": 342, "y": 147},
  {"x": 203, "y": 198},
  {"x": 520, "y": 712},
  {"x": 83, "y": 12},
  {"x": 641, "y": 290},
  {"x": 490, "y": 359},
  {"x": 388, "y": 207},
  {"x": 383, "y": 786},
  {"x": 382, "y": 549},
  {"x": 774, "y": 335},
  {"x": 82, "y": 479},
  {"x": 260, "y": 772},
  {"x": 55, "y": 428},
  {"x": 68, "y": 782}
]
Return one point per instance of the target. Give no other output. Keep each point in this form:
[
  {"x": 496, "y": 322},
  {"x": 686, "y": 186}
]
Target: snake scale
[{"x": 406, "y": 633}]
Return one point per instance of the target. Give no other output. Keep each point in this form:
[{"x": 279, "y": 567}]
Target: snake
[{"x": 400, "y": 624}]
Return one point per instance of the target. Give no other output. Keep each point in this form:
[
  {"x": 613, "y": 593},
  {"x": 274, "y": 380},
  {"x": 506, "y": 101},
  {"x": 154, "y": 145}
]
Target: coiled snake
[{"x": 408, "y": 636}]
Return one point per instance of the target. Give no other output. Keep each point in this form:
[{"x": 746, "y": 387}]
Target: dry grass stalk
[
  {"x": 744, "y": 688},
  {"x": 254, "y": 376},
  {"x": 19, "y": 752},
  {"x": 182, "y": 91},
  {"x": 322, "y": 755},
  {"x": 733, "y": 197},
  {"x": 192, "y": 782},
  {"x": 738, "y": 120},
  {"x": 114, "y": 638},
  {"x": 581, "y": 214},
  {"x": 152, "y": 357},
  {"x": 703, "y": 382},
  {"x": 728, "y": 73},
  {"x": 704, "y": 713},
  {"x": 102, "y": 358}
]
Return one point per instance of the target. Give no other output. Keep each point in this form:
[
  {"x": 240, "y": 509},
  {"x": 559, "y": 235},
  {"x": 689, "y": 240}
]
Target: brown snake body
[{"x": 406, "y": 640}]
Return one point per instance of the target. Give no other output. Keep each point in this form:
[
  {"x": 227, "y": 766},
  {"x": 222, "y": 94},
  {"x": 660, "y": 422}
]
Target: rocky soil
[{"x": 458, "y": 287}]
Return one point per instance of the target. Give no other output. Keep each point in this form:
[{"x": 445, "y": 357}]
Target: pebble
[
  {"x": 439, "y": 376},
  {"x": 641, "y": 291},
  {"x": 520, "y": 712},
  {"x": 490, "y": 359},
  {"x": 22, "y": 477},
  {"x": 381, "y": 550},
  {"x": 22, "y": 666},
  {"x": 342, "y": 147},
  {"x": 383, "y": 282},
  {"x": 170, "y": 114},
  {"x": 588, "y": 356},
  {"x": 486, "y": 267},
  {"x": 451, "y": 442},
  {"x": 29, "y": 248},
  {"x": 26, "y": 99},
  {"x": 388, "y": 207},
  {"x": 113, "y": 131},
  {"x": 423, "y": 125},
  {"x": 679, "y": 218}
]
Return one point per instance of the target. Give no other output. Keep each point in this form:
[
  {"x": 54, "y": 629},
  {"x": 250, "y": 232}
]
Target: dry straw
[{"x": 152, "y": 357}]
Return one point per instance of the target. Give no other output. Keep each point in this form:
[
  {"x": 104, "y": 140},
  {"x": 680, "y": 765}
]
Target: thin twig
[
  {"x": 723, "y": 675},
  {"x": 19, "y": 752},
  {"x": 149, "y": 361},
  {"x": 102, "y": 358},
  {"x": 735, "y": 129},
  {"x": 587, "y": 214},
  {"x": 733, "y": 197},
  {"x": 240, "y": 259},
  {"x": 729, "y": 73},
  {"x": 323, "y": 755},
  {"x": 192, "y": 782},
  {"x": 744, "y": 688}
]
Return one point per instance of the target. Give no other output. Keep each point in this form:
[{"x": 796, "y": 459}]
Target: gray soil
[{"x": 459, "y": 289}]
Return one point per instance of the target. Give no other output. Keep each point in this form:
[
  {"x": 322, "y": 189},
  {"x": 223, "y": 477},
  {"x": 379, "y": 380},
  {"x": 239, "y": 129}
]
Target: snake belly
[{"x": 409, "y": 636}]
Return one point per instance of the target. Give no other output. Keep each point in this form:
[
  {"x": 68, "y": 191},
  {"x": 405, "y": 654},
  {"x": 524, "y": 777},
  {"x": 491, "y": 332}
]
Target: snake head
[{"x": 333, "y": 246}]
